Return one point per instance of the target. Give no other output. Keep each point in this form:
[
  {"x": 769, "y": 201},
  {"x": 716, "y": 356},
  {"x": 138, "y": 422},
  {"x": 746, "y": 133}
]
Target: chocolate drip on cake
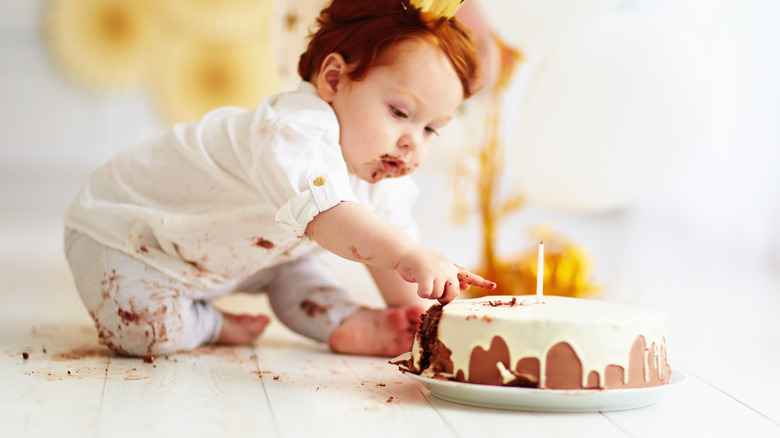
[{"x": 432, "y": 347}]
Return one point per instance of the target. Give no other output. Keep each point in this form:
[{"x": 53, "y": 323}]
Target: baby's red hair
[{"x": 360, "y": 30}]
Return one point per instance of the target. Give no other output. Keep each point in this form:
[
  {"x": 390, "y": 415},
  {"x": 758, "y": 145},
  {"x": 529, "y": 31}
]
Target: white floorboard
[{"x": 723, "y": 335}]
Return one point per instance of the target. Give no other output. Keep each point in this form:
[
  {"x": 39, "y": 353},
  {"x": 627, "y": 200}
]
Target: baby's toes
[
  {"x": 414, "y": 317},
  {"x": 255, "y": 325}
]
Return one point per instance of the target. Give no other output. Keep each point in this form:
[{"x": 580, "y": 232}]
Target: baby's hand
[
  {"x": 467, "y": 278},
  {"x": 436, "y": 276}
]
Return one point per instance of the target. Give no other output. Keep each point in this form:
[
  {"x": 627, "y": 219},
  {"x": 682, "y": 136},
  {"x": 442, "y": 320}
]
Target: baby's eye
[
  {"x": 398, "y": 113},
  {"x": 430, "y": 130}
]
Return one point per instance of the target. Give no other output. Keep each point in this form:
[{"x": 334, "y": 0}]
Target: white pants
[{"x": 140, "y": 311}]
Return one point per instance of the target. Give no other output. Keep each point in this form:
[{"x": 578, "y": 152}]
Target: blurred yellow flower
[
  {"x": 196, "y": 78},
  {"x": 105, "y": 45},
  {"x": 220, "y": 20},
  {"x": 567, "y": 268}
]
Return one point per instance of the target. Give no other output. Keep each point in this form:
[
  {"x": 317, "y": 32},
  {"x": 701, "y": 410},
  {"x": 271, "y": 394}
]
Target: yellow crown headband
[{"x": 438, "y": 8}]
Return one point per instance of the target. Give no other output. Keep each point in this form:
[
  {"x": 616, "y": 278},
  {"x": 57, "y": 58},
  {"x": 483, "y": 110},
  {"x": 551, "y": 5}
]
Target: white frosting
[{"x": 601, "y": 333}]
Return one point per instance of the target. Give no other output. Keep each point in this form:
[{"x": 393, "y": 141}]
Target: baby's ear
[{"x": 332, "y": 72}]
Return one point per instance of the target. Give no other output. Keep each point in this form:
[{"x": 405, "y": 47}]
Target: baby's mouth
[
  {"x": 391, "y": 166},
  {"x": 388, "y": 166}
]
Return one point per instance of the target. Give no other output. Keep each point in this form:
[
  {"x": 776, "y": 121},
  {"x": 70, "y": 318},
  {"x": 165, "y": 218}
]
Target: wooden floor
[
  {"x": 722, "y": 295},
  {"x": 56, "y": 380}
]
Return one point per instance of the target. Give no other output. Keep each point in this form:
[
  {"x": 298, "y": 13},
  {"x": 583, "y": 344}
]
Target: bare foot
[
  {"x": 377, "y": 332},
  {"x": 241, "y": 329}
]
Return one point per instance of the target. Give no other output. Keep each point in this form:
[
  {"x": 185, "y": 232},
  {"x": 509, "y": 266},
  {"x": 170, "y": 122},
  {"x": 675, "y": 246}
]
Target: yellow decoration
[
  {"x": 438, "y": 8},
  {"x": 197, "y": 78},
  {"x": 567, "y": 266},
  {"x": 105, "y": 45},
  {"x": 220, "y": 20},
  {"x": 221, "y": 53},
  {"x": 196, "y": 54}
]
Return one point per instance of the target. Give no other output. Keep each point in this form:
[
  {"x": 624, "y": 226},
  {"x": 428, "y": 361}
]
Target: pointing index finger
[{"x": 467, "y": 278}]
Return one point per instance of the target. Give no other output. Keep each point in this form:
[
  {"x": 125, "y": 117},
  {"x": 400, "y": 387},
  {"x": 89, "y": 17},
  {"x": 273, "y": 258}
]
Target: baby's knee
[
  {"x": 139, "y": 330},
  {"x": 137, "y": 310}
]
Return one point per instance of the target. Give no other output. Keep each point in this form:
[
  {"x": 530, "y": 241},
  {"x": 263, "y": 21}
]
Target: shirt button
[{"x": 319, "y": 181}]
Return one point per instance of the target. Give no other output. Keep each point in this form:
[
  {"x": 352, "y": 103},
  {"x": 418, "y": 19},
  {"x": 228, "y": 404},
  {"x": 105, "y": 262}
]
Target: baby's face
[{"x": 388, "y": 119}]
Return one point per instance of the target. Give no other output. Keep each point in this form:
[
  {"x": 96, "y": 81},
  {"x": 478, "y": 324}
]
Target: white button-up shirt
[{"x": 212, "y": 202}]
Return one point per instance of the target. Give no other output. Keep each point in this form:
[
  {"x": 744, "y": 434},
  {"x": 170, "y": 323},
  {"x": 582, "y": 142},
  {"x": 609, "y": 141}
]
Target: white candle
[{"x": 540, "y": 274}]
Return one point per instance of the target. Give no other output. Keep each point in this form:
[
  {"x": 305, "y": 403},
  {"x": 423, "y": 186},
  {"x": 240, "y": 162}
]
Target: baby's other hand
[{"x": 436, "y": 276}]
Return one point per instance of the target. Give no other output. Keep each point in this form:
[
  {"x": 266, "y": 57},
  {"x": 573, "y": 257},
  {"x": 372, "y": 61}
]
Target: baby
[{"x": 240, "y": 200}]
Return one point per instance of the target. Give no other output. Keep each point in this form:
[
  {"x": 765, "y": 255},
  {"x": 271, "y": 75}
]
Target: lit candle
[{"x": 540, "y": 274}]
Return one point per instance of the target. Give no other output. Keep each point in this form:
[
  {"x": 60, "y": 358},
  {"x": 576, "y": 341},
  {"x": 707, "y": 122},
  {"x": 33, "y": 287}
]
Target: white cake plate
[{"x": 545, "y": 400}]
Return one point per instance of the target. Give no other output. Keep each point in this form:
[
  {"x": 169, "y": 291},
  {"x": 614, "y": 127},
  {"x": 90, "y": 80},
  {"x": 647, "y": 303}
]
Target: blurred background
[{"x": 643, "y": 136}]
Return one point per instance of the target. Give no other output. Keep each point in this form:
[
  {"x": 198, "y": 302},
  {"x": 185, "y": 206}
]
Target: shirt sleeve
[{"x": 298, "y": 162}]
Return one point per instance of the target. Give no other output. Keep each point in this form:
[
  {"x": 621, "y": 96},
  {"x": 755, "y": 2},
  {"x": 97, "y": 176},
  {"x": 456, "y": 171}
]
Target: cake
[{"x": 559, "y": 343}]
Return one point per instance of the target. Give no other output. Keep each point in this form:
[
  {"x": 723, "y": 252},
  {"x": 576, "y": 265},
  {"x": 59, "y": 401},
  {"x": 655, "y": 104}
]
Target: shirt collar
[{"x": 307, "y": 87}]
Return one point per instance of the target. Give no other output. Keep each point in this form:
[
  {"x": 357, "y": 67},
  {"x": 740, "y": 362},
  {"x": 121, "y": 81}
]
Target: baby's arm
[
  {"x": 395, "y": 290},
  {"x": 352, "y": 231}
]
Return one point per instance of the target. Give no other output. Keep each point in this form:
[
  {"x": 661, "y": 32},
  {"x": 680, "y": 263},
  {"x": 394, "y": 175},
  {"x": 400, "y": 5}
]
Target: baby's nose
[{"x": 407, "y": 142}]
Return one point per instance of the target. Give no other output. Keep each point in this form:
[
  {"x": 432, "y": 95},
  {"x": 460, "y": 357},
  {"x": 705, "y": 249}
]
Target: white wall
[
  {"x": 726, "y": 201},
  {"x": 728, "y": 197}
]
